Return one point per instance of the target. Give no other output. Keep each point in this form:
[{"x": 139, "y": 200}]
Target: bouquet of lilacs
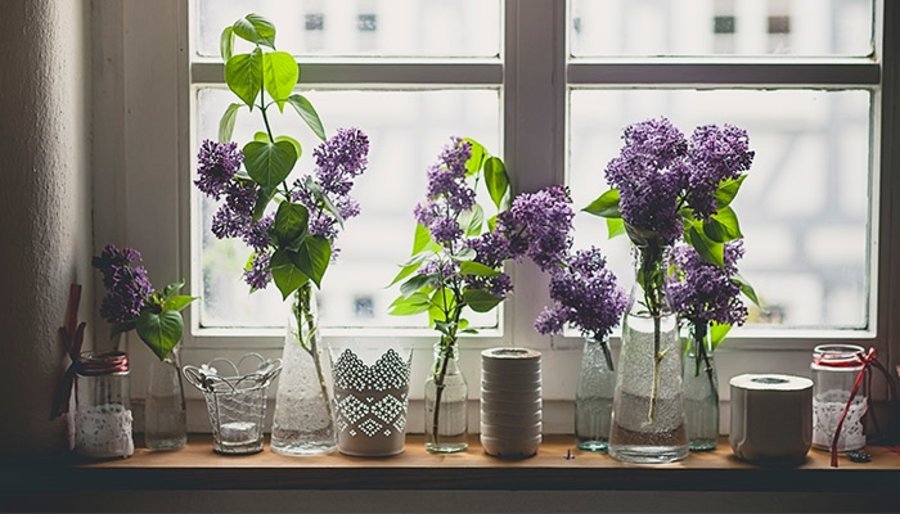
[
  {"x": 666, "y": 188},
  {"x": 458, "y": 258},
  {"x": 132, "y": 303}
]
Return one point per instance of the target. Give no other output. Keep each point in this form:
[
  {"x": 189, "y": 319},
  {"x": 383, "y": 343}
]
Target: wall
[{"x": 45, "y": 216}]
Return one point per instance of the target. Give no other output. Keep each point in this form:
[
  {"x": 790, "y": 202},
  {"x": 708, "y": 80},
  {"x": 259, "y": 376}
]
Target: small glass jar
[
  {"x": 446, "y": 397},
  {"x": 834, "y": 371},
  {"x": 103, "y": 417}
]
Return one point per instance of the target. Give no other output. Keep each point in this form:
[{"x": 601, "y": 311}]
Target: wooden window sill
[{"x": 196, "y": 467}]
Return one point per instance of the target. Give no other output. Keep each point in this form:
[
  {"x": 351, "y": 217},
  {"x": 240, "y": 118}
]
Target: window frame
[{"x": 143, "y": 116}]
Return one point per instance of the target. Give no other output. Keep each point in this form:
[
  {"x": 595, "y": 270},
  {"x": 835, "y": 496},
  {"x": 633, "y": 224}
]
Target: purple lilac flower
[
  {"x": 714, "y": 155},
  {"x": 498, "y": 285},
  {"x": 648, "y": 174},
  {"x": 259, "y": 275},
  {"x": 126, "y": 281},
  {"x": 445, "y": 230},
  {"x": 538, "y": 225},
  {"x": 491, "y": 248},
  {"x": 585, "y": 294},
  {"x": 704, "y": 292},
  {"x": 218, "y": 162},
  {"x": 340, "y": 159},
  {"x": 447, "y": 177},
  {"x": 443, "y": 268}
]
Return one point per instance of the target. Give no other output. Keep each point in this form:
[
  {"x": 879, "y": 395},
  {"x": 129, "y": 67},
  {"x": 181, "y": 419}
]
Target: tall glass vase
[
  {"x": 648, "y": 423},
  {"x": 594, "y": 396},
  {"x": 446, "y": 397},
  {"x": 304, "y": 421},
  {"x": 165, "y": 420},
  {"x": 701, "y": 397}
]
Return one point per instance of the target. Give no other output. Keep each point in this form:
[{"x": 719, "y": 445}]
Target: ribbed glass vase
[{"x": 594, "y": 396}]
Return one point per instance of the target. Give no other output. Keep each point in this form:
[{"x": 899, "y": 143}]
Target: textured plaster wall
[{"x": 45, "y": 216}]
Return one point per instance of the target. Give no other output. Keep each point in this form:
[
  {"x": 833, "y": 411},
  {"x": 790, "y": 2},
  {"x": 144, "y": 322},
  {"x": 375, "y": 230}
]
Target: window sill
[{"x": 196, "y": 467}]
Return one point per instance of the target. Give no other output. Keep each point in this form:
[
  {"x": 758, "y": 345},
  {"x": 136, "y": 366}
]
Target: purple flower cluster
[
  {"x": 703, "y": 292},
  {"x": 585, "y": 295},
  {"x": 448, "y": 193},
  {"x": 339, "y": 160},
  {"x": 258, "y": 275},
  {"x": 648, "y": 174},
  {"x": 218, "y": 164},
  {"x": 714, "y": 154},
  {"x": 537, "y": 225},
  {"x": 126, "y": 281}
]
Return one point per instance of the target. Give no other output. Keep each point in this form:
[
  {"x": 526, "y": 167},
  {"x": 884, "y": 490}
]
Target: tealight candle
[{"x": 238, "y": 432}]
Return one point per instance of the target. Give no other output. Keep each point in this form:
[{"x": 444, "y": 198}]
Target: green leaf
[
  {"x": 288, "y": 277},
  {"x": 226, "y": 43},
  {"x": 269, "y": 163},
  {"x": 709, "y": 250},
  {"x": 313, "y": 258},
  {"x": 439, "y": 310},
  {"x": 465, "y": 254},
  {"x": 171, "y": 289},
  {"x": 297, "y": 147},
  {"x": 714, "y": 230},
  {"x": 480, "y": 300},
  {"x": 243, "y": 74},
  {"x": 727, "y": 190},
  {"x": 178, "y": 303},
  {"x": 606, "y": 206},
  {"x": 415, "y": 304},
  {"x": 472, "y": 220},
  {"x": 727, "y": 219},
  {"x": 255, "y": 29},
  {"x": 406, "y": 271},
  {"x": 717, "y": 333},
  {"x": 492, "y": 223},
  {"x": 422, "y": 240},
  {"x": 477, "y": 269},
  {"x": 261, "y": 136},
  {"x": 306, "y": 111},
  {"x": 226, "y": 124},
  {"x": 280, "y": 74},
  {"x": 476, "y": 161},
  {"x": 747, "y": 289},
  {"x": 614, "y": 227},
  {"x": 496, "y": 180},
  {"x": 160, "y": 331},
  {"x": 291, "y": 221},
  {"x": 415, "y": 284},
  {"x": 265, "y": 195}
]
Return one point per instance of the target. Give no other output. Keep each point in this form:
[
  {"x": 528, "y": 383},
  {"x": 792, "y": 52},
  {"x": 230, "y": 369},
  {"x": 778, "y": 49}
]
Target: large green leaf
[
  {"x": 709, "y": 250},
  {"x": 226, "y": 43},
  {"x": 477, "y": 269},
  {"x": 747, "y": 289},
  {"x": 614, "y": 227},
  {"x": 496, "y": 180},
  {"x": 297, "y": 146},
  {"x": 727, "y": 218},
  {"x": 606, "y": 205},
  {"x": 280, "y": 74},
  {"x": 243, "y": 74},
  {"x": 177, "y": 302},
  {"x": 406, "y": 271},
  {"x": 291, "y": 221},
  {"x": 306, "y": 111},
  {"x": 255, "y": 29},
  {"x": 422, "y": 240},
  {"x": 415, "y": 284},
  {"x": 265, "y": 195},
  {"x": 269, "y": 163},
  {"x": 717, "y": 333},
  {"x": 226, "y": 124},
  {"x": 476, "y": 159},
  {"x": 288, "y": 278},
  {"x": 160, "y": 331},
  {"x": 313, "y": 258},
  {"x": 727, "y": 190},
  {"x": 415, "y": 304},
  {"x": 472, "y": 220},
  {"x": 480, "y": 300}
]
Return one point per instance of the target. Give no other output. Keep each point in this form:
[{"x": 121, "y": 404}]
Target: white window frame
[{"x": 143, "y": 154}]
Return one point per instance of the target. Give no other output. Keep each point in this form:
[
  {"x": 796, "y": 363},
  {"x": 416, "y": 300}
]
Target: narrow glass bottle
[
  {"x": 594, "y": 396},
  {"x": 701, "y": 398},
  {"x": 446, "y": 396},
  {"x": 165, "y": 419}
]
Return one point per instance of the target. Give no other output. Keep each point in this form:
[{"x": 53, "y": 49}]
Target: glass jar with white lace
[
  {"x": 103, "y": 419},
  {"x": 835, "y": 368}
]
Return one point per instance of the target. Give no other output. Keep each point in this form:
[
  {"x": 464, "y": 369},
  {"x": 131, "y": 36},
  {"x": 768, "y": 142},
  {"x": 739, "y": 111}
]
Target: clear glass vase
[
  {"x": 701, "y": 399},
  {"x": 165, "y": 419},
  {"x": 594, "y": 396},
  {"x": 648, "y": 423},
  {"x": 446, "y": 397},
  {"x": 304, "y": 422}
]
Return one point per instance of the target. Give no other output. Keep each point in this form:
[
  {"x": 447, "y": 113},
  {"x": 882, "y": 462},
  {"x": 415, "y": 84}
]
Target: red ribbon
[
  {"x": 867, "y": 360},
  {"x": 72, "y": 338}
]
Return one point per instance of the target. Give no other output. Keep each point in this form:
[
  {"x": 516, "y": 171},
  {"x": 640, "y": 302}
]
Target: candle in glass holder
[{"x": 237, "y": 432}]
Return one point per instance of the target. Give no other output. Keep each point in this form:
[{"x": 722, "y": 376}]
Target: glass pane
[
  {"x": 391, "y": 28},
  {"x": 804, "y": 209},
  {"x": 407, "y": 129},
  {"x": 609, "y": 28}
]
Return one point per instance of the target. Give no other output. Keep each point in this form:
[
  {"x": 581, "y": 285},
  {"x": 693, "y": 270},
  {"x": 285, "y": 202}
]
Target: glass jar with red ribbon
[
  {"x": 103, "y": 417},
  {"x": 835, "y": 370}
]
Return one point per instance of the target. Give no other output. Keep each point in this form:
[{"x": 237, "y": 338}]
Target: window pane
[
  {"x": 407, "y": 129},
  {"x": 804, "y": 209},
  {"x": 611, "y": 28},
  {"x": 394, "y": 28}
]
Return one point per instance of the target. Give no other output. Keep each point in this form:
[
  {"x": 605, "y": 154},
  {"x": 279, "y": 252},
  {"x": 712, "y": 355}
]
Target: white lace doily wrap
[
  {"x": 827, "y": 409},
  {"x": 104, "y": 431}
]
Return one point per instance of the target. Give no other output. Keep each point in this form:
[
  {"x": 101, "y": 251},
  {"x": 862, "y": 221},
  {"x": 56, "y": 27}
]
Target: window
[{"x": 548, "y": 85}]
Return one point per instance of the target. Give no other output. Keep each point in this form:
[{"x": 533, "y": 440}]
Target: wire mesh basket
[{"x": 236, "y": 403}]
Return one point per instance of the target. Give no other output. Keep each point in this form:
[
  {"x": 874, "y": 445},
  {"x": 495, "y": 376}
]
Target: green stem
[
  {"x": 310, "y": 341},
  {"x": 652, "y": 279}
]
